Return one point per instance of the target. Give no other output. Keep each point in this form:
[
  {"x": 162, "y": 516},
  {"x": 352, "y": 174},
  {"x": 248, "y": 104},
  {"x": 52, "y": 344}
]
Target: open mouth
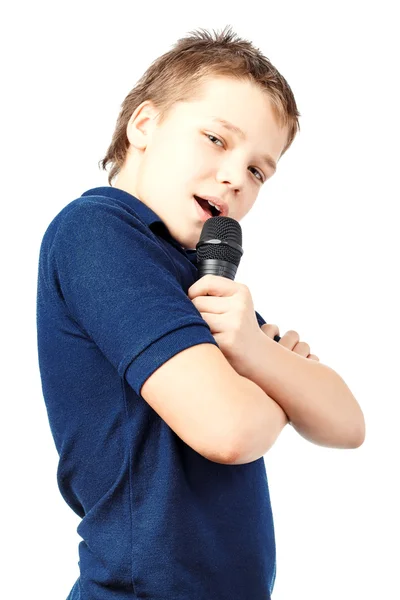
[{"x": 211, "y": 210}]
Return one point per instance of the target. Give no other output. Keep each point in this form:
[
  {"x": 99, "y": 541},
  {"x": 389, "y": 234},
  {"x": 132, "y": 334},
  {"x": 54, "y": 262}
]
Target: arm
[
  {"x": 260, "y": 420},
  {"x": 223, "y": 416},
  {"x": 319, "y": 404}
]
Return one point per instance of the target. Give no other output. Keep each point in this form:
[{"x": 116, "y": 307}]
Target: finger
[
  {"x": 214, "y": 321},
  {"x": 214, "y": 285},
  {"x": 270, "y": 330},
  {"x": 313, "y": 357},
  {"x": 212, "y": 304},
  {"x": 302, "y": 348},
  {"x": 289, "y": 339}
]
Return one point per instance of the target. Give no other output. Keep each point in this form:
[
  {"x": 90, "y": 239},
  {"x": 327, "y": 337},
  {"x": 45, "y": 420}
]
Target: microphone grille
[{"x": 224, "y": 229}]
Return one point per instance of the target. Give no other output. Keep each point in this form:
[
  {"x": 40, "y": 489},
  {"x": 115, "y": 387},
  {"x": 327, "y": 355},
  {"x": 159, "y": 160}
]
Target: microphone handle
[{"x": 277, "y": 338}]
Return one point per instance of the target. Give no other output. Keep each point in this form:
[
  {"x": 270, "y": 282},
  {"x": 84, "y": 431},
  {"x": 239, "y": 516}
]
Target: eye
[
  {"x": 213, "y": 136},
  {"x": 261, "y": 178}
]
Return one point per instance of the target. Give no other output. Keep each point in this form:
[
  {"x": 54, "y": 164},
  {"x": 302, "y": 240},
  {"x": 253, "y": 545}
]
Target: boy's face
[{"x": 167, "y": 164}]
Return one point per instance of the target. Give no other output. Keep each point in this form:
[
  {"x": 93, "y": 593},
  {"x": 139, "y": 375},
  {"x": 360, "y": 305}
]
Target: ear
[{"x": 141, "y": 124}]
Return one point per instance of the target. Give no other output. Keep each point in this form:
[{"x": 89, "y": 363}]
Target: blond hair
[{"x": 177, "y": 75}]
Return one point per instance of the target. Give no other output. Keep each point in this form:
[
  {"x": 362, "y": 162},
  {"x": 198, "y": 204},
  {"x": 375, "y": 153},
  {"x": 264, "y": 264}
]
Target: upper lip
[{"x": 219, "y": 203}]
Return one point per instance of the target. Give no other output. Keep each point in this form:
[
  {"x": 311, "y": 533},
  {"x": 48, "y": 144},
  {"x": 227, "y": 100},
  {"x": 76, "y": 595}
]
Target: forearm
[
  {"x": 260, "y": 420},
  {"x": 319, "y": 404}
]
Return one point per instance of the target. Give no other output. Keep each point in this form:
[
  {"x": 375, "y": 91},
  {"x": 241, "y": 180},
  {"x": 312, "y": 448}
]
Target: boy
[{"x": 142, "y": 403}]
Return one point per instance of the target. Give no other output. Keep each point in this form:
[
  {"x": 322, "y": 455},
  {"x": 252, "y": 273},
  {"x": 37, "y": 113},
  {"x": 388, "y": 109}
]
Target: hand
[
  {"x": 227, "y": 307},
  {"x": 290, "y": 340}
]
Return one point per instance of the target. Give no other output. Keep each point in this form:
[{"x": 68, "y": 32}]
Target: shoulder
[{"x": 96, "y": 209}]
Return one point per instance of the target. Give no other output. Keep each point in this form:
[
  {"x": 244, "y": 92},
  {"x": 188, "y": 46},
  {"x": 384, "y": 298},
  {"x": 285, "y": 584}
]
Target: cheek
[
  {"x": 191, "y": 165},
  {"x": 173, "y": 165},
  {"x": 243, "y": 211}
]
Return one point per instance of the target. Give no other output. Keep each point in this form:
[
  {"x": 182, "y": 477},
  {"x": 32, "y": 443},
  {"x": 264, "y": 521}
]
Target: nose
[{"x": 231, "y": 175}]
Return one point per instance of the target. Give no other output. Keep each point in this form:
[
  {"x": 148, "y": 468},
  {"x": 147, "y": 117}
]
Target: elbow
[
  {"x": 357, "y": 443},
  {"x": 359, "y": 437},
  {"x": 234, "y": 455},
  {"x": 256, "y": 448},
  {"x": 353, "y": 416}
]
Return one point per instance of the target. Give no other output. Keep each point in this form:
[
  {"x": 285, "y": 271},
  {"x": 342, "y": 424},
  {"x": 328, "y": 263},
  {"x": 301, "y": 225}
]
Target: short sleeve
[{"x": 120, "y": 286}]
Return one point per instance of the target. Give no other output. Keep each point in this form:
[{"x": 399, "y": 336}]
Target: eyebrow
[{"x": 239, "y": 132}]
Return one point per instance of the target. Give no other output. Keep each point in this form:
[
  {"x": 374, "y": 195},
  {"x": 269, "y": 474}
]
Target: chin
[
  {"x": 188, "y": 243},
  {"x": 188, "y": 246}
]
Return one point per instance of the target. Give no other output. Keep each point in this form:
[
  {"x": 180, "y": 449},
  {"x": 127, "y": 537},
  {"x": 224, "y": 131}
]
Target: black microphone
[{"x": 219, "y": 249}]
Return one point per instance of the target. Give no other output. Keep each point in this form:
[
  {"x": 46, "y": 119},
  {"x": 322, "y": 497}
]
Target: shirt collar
[{"x": 154, "y": 222}]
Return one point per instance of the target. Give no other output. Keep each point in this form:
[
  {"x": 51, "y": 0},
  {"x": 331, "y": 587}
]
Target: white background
[{"x": 321, "y": 257}]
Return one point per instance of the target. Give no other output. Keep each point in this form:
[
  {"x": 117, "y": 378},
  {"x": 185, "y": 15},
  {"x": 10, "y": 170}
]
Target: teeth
[
  {"x": 210, "y": 203},
  {"x": 213, "y": 205}
]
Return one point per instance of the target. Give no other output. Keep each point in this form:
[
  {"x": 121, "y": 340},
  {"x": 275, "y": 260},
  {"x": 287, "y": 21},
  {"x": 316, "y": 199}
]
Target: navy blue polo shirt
[{"x": 159, "y": 521}]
